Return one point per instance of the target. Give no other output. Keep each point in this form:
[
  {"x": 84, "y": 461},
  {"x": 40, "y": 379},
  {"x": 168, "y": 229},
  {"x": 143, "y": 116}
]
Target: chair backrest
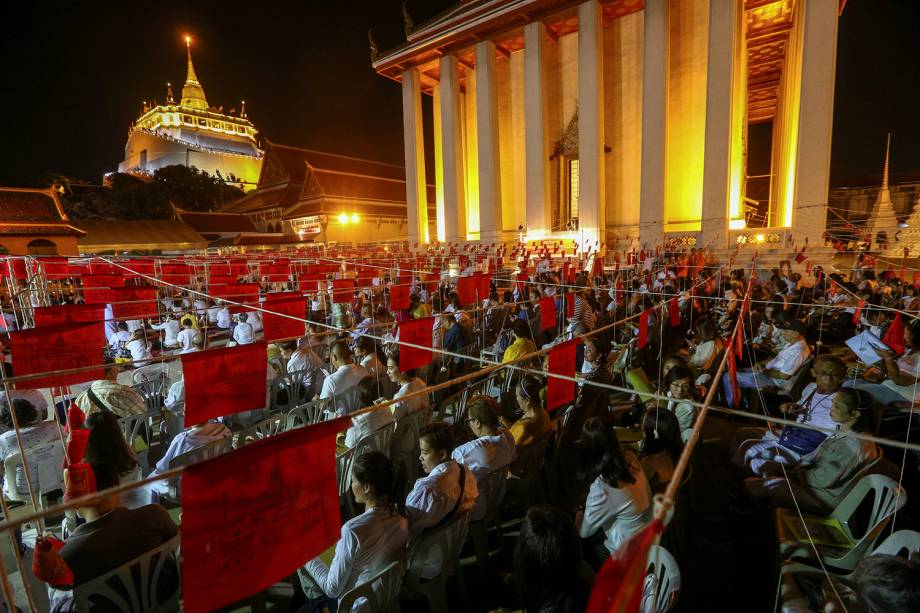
[
  {"x": 664, "y": 567},
  {"x": 267, "y": 427},
  {"x": 492, "y": 486},
  {"x": 797, "y": 382},
  {"x": 130, "y": 426},
  {"x": 152, "y": 393},
  {"x": 305, "y": 414},
  {"x": 530, "y": 460},
  {"x": 447, "y": 539},
  {"x": 343, "y": 464},
  {"x": 887, "y": 497},
  {"x": 381, "y": 590},
  {"x": 134, "y": 586},
  {"x": 205, "y": 452},
  {"x": 902, "y": 543},
  {"x": 44, "y": 470},
  {"x": 152, "y": 372}
]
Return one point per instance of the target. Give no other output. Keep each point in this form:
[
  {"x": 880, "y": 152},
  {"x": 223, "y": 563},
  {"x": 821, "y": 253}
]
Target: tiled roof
[
  {"x": 294, "y": 158},
  {"x": 324, "y": 207},
  {"x": 217, "y": 222},
  {"x": 27, "y": 205},
  {"x": 261, "y": 199},
  {"x": 361, "y": 187},
  {"x": 104, "y": 235},
  {"x": 39, "y": 229}
]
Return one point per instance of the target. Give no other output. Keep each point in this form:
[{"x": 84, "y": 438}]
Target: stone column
[
  {"x": 438, "y": 161},
  {"x": 818, "y": 53},
  {"x": 490, "y": 177},
  {"x": 416, "y": 195},
  {"x": 537, "y": 193},
  {"x": 592, "y": 218},
  {"x": 452, "y": 150},
  {"x": 725, "y": 117},
  {"x": 654, "y": 123}
]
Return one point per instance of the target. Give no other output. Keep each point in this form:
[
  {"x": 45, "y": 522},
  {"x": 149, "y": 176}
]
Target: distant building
[
  {"x": 193, "y": 133},
  {"x": 324, "y": 197},
  {"x": 33, "y": 222}
]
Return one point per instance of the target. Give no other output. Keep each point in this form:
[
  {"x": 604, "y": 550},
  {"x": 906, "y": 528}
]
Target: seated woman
[
  {"x": 822, "y": 475},
  {"x": 107, "y": 445},
  {"x": 900, "y": 374},
  {"x": 491, "y": 450},
  {"x": 523, "y": 342},
  {"x": 619, "y": 501},
  {"x": 679, "y": 387},
  {"x": 549, "y": 569},
  {"x": 706, "y": 348},
  {"x": 533, "y": 423},
  {"x": 448, "y": 489},
  {"x": 188, "y": 440},
  {"x": 34, "y": 433},
  {"x": 660, "y": 447},
  {"x": 370, "y": 541}
]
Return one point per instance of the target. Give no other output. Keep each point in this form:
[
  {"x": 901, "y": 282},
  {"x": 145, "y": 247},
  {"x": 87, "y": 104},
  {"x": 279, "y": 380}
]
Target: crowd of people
[{"x": 426, "y": 452}]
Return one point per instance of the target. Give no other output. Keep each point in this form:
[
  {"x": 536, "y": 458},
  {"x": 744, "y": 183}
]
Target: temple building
[
  {"x": 325, "y": 197},
  {"x": 193, "y": 133},
  {"x": 626, "y": 122},
  {"x": 33, "y": 222}
]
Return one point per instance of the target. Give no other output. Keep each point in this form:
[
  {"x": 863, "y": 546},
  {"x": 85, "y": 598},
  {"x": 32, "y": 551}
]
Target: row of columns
[{"x": 725, "y": 125}]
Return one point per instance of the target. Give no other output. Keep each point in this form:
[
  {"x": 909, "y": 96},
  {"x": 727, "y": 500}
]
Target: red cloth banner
[
  {"x": 68, "y": 314},
  {"x": 51, "y": 348},
  {"x": 224, "y": 381},
  {"x": 276, "y": 273},
  {"x": 857, "y": 314},
  {"x": 521, "y": 283},
  {"x": 246, "y": 293},
  {"x": 483, "y": 283},
  {"x": 55, "y": 268},
  {"x": 417, "y": 332},
  {"x": 733, "y": 378},
  {"x": 466, "y": 290},
  {"x": 239, "y": 269},
  {"x": 98, "y": 295},
  {"x": 432, "y": 280},
  {"x": 134, "y": 302},
  {"x": 220, "y": 269},
  {"x": 176, "y": 269},
  {"x": 218, "y": 280},
  {"x": 569, "y": 299},
  {"x": 674, "y": 312},
  {"x": 619, "y": 585},
  {"x": 343, "y": 291},
  {"x": 643, "y": 329},
  {"x": 547, "y": 313},
  {"x": 250, "y": 518},
  {"x": 143, "y": 267},
  {"x": 894, "y": 337},
  {"x": 561, "y": 362},
  {"x": 276, "y": 326},
  {"x": 103, "y": 268},
  {"x": 103, "y": 281},
  {"x": 399, "y": 297}
]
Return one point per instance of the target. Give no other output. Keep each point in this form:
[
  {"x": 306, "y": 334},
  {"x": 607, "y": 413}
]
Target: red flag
[
  {"x": 55, "y": 268},
  {"x": 894, "y": 337},
  {"x": 739, "y": 343},
  {"x": 521, "y": 282},
  {"x": 561, "y": 361},
  {"x": 138, "y": 267},
  {"x": 275, "y": 272},
  {"x": 800, "y": 256},
  {"x": 68, "y": 314},
  {"x": 857, "y": 314},
  {"x": 134, "y": 302},
  {"x": 102, "y": 281},
  {"x": 343, "y": 291},
  {"x": 245, "y": 293},
  {"x": 223, "y": 381},
  {"x": 218, "y": 269},
  {"x": 417, "y": 332},
  {"x": 51, "y": 348},
  {"x": 483, "y": 283},
  {"x": 251, "y": 517},
  {"x": 547, "y": 313},
  {"x": 674, "y": 312},
  {"x": 399, "y": 297},
  {"x": 278, "y": 326},
  {"x": 733, "y": 377},
  {"x": 569, "y": 299},
  {"x": 643, "y": 329},
  {"x": 239, "y": 268},
  {"x": 619, "y": 585},
  {"x": 466, "y": 290},
  {"x": 103, "y": 268}
]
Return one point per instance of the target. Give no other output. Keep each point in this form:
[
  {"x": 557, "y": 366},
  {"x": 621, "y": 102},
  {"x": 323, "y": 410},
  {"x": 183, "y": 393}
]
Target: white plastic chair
[
  {"x": 380, "y": 591},
  {"x": 305, "y": 414},
  {"x": 45, "y": 471},
  {"x": 121, "y": 590},
  {"x": 199, "y": 454},
  {"x": 256, "y": 432},
  {"x": 447, "y": 539},
  {"x": 665, "y": 582},
  {"x": 379, "y": 440},
  {"x": 902, "y": 543},
  {"x": 888, "y": 497}
]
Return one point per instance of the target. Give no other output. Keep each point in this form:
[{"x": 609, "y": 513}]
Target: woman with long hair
[
  {"x": 660, "y": 447},
  {"x": 107, "y": 445},
  {"x": 619, "y": 500}
]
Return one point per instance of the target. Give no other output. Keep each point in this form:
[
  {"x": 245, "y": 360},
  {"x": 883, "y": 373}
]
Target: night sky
[{"x": 76, "y": 73}]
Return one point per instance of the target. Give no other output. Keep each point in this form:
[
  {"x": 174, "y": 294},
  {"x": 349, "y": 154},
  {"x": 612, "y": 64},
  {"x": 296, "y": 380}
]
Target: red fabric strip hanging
[
  {"x": 483, "y": 284},
  {"x": 399, "y": 297},
  {"x": 561, "y": 361},
  {"x": 250, "y": 518},
  {"x": 643, "y": 329},
  {"x": 103, "y": 281},
  {"x": 857, "y": 314},
  {"x": 224, "y": 381},
  {"x": 276, "y": 326},
  {"x": 466, "y": 290},
  {"x": 68, "y": 314},
  {"x": 894, "y": 337},
  {"x": 619, "y": 585},
  {"x": 547, "y": 313},
  {"x": 417, "y": 332},
  {"x": 569, "y": 300},
  {"x": 343, "y": 291},
  {"x": 733, "y": 378},
  {"x": 134, "y": 302},
  {"x": 674, "y": 312},
  {"x": 62, "y": 347},
  {"x": 143, "y": 267}
]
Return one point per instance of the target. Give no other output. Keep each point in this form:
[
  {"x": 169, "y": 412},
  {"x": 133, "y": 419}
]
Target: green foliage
[{"x": 131, "y": 197}]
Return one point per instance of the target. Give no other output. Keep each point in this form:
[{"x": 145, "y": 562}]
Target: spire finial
[
  {"x": 192, "y": 92},
  {"x": 885, "y": 169},
  {"x": 243, "y": 111},
  {"x": 169, "y": 94}
]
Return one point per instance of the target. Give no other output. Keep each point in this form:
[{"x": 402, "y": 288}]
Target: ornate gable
[{"x": 273, "y": 170}]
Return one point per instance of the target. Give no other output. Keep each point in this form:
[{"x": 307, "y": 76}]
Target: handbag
[{"x": 801, "y": 440}]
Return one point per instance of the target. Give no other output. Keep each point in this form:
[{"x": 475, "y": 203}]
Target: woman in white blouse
[
  {"x": 139, "y": 348},
  {"x": 619, "y": 501},
  {"x": 370, "y": 541},
  {"x": 708, "y": 346},
  {"x": 900, "y": 374}
]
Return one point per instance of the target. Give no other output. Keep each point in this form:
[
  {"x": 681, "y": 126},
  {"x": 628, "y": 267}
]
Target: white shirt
[
  {"x": 342, "y": 387},
  {"x": 255, "y": 320},
  {"x": 223, "y": 318},
  {"x": 790, "y": 358},
  {"x": 122, "y": 336},
  {"x": 242, "y": 333},
  {"x": 139, "y": 349},
  {"x": 368, "y": 423},
  {"x": 373, "y": 365},
  {"x": 619, "y": 512},
  {"x": 171, "y": 328},
  {"x": 175, "y": 397},
  {"x": 186, "y": 340},
  {"x": 483, "y": 456},
  {"x": 110, "y": 325},
  {"x": 432, "y": 498},
  {"x": 35, "y": 397},
  {"x": 213, "y": 314},
  {"x": 188, "y": 440},
  {"x": 367, "y": 544},
  {"x": 818, "y": 407},
  {"x": 134, "y": 324}
]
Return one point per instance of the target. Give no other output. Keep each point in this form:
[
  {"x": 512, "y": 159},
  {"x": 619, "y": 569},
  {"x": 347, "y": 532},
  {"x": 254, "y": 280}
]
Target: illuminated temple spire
[
  {"x": 884, "y": 220},
  {"x": 192, "y": 92}
]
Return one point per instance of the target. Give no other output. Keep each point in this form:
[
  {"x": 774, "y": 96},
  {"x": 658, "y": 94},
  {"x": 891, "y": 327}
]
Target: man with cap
[{"x": 776, "y": 372}]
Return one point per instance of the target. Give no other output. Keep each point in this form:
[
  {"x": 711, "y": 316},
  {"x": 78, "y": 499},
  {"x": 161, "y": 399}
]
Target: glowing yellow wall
[
  {"x": 511, "y": 125},
  {"x": 689, "y": 23},
  {"x": 470, "y": 155}
]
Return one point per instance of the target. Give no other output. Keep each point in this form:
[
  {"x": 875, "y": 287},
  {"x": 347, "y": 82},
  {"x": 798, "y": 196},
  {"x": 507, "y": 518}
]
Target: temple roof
[
  {"x": 33, "y": 212},
  {"x": 192, "y": 92},
  {"x": 216, "y": 222},
  {"x": 146, "y": 235}
]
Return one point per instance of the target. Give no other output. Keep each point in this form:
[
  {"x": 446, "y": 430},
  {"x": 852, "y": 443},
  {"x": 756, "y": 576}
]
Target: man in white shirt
[
  {"x": 301, "y": 358},
  {"x": 223, "y": 317},
  {"x": 242, "y": 333},
  {"x": 342, "y": 385},
  {"x": 170, "y": 329},
  {"x": 777, "y": 372},
  {"x": 187, "y": 339},
  {"x": 121, "y": 336}
]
